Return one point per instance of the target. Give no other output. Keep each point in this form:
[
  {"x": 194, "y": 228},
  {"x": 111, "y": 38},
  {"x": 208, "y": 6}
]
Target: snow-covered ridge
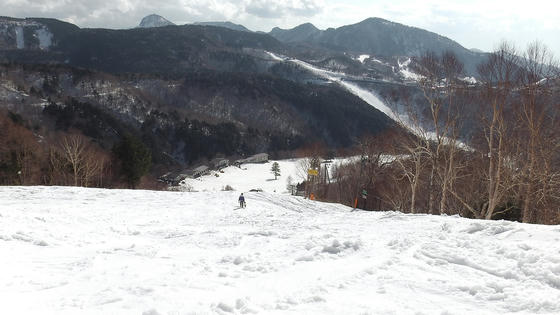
[{"x": 97, "y": 251}]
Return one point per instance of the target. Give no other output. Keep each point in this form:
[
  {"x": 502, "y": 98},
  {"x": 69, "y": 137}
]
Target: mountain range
[
  {"x": 183, "y": 87},
  {"x": 379, "y": 37}
]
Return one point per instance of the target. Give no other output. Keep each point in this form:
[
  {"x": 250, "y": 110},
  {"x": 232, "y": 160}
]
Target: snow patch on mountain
[
  {"x": 45, "y": 37},
  {"x": 363, "y": 58},
  {"x": 13, "y": 31},
  {"x": 470, "y": 80},
  {"x": 20, "y": 42},
  {"x": 406, "y": 72},
  {"x": 379, "y": 61}
]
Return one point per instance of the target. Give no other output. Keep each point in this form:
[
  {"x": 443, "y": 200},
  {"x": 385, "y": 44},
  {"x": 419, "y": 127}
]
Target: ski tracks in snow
[{"x": 168, "y": 252}]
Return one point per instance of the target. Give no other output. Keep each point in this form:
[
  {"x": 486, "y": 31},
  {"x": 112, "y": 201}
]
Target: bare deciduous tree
[
  {"x": 499, "y": 76},
  {"x": 534, "y": 111},
  {"x": 441, "y": 84},
  {"x": 85, "y": 161},
  {"x": 73, "y": 149}
]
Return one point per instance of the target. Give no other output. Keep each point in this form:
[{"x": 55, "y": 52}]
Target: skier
[{"x": 242, "y": 201}]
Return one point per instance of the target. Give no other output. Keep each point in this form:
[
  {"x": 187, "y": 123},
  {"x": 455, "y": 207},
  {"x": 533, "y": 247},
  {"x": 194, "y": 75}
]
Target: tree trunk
[{"x": 431, "y": 190}]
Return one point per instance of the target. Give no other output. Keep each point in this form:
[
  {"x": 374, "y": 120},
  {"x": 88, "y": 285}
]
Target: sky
[{"x": 481, "y": 24}]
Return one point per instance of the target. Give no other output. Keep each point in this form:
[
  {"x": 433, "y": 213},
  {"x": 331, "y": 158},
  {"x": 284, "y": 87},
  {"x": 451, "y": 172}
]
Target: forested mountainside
[
  {"x": 226, "y": 24},
  {"x": 169, "y": 49},
  {"x": 189, "y": 63},
  {"x": 186, "y": 119},
  {"x": 188, "y": 92}
]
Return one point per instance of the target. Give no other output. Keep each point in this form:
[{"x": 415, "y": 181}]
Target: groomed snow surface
[{"x": 66, "y": 250}]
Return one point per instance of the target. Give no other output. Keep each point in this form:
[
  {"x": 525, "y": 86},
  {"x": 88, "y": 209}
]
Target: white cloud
[
  {"x": 278, "y": 8},
  {"x": 122, "y": 13}
]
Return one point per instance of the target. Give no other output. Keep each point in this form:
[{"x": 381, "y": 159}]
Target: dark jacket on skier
[{"x": 242, "y": 201}]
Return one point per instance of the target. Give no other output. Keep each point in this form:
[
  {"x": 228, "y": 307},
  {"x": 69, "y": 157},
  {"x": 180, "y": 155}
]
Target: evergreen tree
[
  {"x": 275, "y": 170},
  {"x": 135, "y": 157}
]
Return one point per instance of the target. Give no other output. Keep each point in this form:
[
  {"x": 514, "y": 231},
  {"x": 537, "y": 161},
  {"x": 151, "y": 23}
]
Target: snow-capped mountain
[{"x": 154, "y": 20}]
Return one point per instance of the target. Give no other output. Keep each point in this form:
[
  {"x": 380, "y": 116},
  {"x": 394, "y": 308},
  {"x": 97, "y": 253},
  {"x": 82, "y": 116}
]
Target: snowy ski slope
[
  {"x": 66, "y": 250},
  {"x": 249, "y": 176}
]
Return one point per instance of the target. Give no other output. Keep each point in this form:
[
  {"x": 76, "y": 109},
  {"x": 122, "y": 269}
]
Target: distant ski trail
[
  {"x": 370, "y": 98},
  {"x": 365, "y": 95}
]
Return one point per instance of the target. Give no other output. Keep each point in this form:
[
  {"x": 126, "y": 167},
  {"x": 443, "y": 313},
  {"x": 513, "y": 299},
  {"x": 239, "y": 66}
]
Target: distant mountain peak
[
  {"x": 306, "y": 26},
  {"x": 154, "y": 20},
  {"x": 298, "y": 33},
  {"x": 377, "y": 20}
]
